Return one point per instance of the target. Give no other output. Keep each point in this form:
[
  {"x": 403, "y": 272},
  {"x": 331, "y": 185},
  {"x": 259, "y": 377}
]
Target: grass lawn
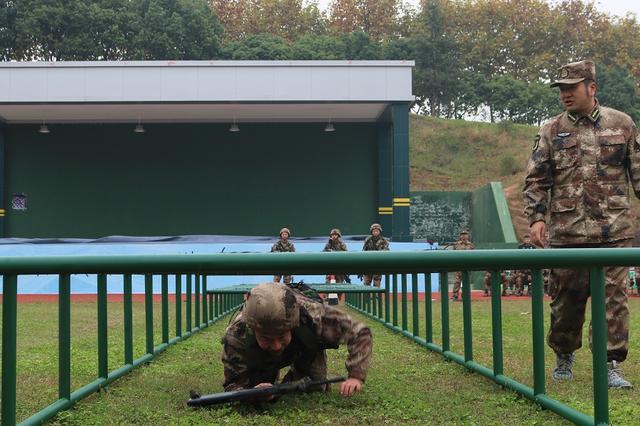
[{"x": 406, "y": 385}]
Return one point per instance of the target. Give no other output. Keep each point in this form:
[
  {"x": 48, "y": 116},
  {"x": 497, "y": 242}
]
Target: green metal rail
[{"x": 198, "y": 269}]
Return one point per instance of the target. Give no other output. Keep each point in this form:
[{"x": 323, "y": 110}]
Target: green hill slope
[{"x": 454, "y": 155}]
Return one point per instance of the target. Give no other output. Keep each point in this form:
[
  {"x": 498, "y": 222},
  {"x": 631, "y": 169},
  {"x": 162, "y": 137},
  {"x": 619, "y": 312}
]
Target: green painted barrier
[{"x": 397, "y": 267}]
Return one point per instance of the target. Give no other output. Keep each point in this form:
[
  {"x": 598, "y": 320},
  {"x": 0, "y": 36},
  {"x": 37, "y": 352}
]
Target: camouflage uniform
[
  {"x": 374, "y": 244},
  {"x": 336, "y": 245},
  {"x": 319, "y": 327},
  {"x": 487, "y": 282},
  {"x": 524, "y": 275},
  {"x": 457, "y": 282},
  {"x": 282, "y": 246},
  {"x": 585, "y": 164}
]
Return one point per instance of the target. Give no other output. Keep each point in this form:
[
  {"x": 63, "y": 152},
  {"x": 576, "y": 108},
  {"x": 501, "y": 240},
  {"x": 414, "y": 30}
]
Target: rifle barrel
[{"x": 254, "y": 393}]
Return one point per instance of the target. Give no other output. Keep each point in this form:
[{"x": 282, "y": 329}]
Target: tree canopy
[{"x": 473, "y": 57}]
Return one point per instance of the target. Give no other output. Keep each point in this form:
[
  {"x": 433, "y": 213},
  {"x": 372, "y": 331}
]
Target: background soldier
[
  {"x": 462, "y": 244},
  {"x": 283, "y": 245},
  {"x": 524, "y": 276},
  {"x": 279, "y": 327},
  {"x": 579, "y": 172},
  {"x": 487, "y": 283},
  {"x": 375, "y": 242},
  {"x": 335, "y": 244}
]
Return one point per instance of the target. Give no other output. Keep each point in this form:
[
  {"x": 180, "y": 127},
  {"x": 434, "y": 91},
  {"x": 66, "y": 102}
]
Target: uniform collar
[{"x": 593, "y": 117}]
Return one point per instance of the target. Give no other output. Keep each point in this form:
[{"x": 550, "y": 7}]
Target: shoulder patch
[{"x": 536, "y": 142}]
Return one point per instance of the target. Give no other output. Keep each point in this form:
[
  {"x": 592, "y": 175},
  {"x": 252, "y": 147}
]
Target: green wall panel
[
  {"x": 491, "y": 220},
  {"x": 96, "y": 180}
]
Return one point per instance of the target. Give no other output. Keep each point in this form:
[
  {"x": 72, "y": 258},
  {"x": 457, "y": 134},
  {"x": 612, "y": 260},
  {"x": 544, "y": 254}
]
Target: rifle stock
[{"x": 301, "y": 385}]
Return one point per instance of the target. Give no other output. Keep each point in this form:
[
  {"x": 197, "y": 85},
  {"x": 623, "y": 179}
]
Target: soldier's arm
[
  {"x": 633, "y": 153},
  {"x": 234, "y": 360},
  {"x": 274, "y": 247},
  {"x": 385, "y": 245},
  {"x": 340, "y": 328},
  {"x": 539, "y": 178},
  {"x": 293, "y": 248}
]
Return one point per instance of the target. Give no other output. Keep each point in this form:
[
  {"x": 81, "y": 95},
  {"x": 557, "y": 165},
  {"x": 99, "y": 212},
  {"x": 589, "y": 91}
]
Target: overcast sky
[{"x": 613, "y": 7}]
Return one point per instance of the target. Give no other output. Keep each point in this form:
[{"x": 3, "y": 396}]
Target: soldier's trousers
[
  {"x": 457, "y": 282},
  {"x": 487, "y": 282},
  {"x": 570, "y": 291},
  {"x": 285, "y": 278},
  {"x": 377, "y": 279}
]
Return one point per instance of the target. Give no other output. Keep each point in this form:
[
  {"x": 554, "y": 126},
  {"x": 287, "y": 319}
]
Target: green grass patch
[{"x": 407, "y": 384}]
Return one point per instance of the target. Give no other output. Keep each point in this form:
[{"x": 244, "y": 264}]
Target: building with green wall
[{"x": 92, "y": 175}]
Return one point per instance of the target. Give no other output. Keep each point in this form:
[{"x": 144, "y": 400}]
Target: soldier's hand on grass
[
  {"x": 350, "y": 387},
  {"x": 538, "y": 233},
  {"x": 265, "y": 385}
]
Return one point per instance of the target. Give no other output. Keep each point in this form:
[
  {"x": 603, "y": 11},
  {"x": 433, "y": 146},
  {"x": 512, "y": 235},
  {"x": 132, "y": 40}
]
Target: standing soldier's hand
[
  {"x": 538, "y": 233},
  {"x": 350, "y": 387}
]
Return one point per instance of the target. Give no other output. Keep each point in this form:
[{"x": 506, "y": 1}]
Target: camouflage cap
[
  {"x": 284, "y": 230},
  {"x": 375, "y": 226},
  {"x": 335, "y": 231},
  {"x": 271, "y": 307},
  {"x": 464, "y": 232},
  {"x": 575, "y": 72}
]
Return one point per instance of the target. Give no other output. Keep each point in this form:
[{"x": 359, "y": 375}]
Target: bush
[{"x": 509, "y": 165}]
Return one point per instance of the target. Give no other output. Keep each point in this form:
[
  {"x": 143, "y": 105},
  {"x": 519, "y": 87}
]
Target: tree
[
  {"x": 378, "y": 18},
  {"x": 175, "y": 29},
  {"x": 288, "y": 19},
  {"x": 318, "y": 47},
  {"x": 617, "y": 89},
  {"x": 259, "y": 47},
  {"x": 7, "y": 30},
  {"x": 359, "y": 46}
]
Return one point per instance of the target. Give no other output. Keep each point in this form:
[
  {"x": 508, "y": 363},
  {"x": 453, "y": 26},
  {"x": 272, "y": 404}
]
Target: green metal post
[
  {"x": 205, "y": 309},
  {"x": 379, "y": 299},
  {"x": 401, "y": 200},
  {"x": 444, "y": 307},
  {"x": 148, "y": 309},
  {"x": 189, "y": 302},
  {"x": 395, "y": 299},
  {"x": 128, "y": 321},
  {"x": 405, "y": 320},
  {"x": 466, "y": 316},
  {"x": 387, "y": 297},
  {"x": 9, "y": 355},
  {"x": 537, "y": 320},
  {"x": 197, "y": 300},
  {"x": 103, "y": 351},
  {"x": 64, "y": 336},
  {"x": 428, "y": 308},
  {"x": 165, "y": 308},
  {"x": 414, "y": 304},
  {"x": 599, "y": 346},
  {"x": 178, "y": 305},
  {"x": 496, "y": 324}
]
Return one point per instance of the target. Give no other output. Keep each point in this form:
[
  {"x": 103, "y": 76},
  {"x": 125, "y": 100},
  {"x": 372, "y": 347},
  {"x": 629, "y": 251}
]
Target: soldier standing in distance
[
  {"x": 462, "y": 244},
  {"x": 375, "y": 242},
  {"x": 579, "y": 173},
  {"x": 524, "y": 276},
  {"x": 335, "y": 244},
  {"x": 279, "y": 327},
  {"x": 283, "y": 245}
]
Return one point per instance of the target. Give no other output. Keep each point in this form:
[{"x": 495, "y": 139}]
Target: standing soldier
[
  {"x": 524, "y": 276},
  {"x": 579, "y": 173},
  {"x": 283, "y": 245},
  {"x": 335, "y": 244},
  {"x": 462, "y": 244},
  {"x": 375, "y": 242},
  {"x": 487, "y": 283}
]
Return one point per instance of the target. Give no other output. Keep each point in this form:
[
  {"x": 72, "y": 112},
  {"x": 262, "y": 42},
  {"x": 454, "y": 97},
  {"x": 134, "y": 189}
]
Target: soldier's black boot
[
  {"x": 454, "y": 296},
  {"x": 564, "y": 367}
]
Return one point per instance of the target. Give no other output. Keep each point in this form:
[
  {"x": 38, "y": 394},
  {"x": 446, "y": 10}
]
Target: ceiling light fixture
[{"x": 44, "y": 129}]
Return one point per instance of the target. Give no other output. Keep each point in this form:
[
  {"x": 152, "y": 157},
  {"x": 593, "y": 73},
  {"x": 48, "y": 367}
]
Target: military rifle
[{"x": 254, "y": 394}]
